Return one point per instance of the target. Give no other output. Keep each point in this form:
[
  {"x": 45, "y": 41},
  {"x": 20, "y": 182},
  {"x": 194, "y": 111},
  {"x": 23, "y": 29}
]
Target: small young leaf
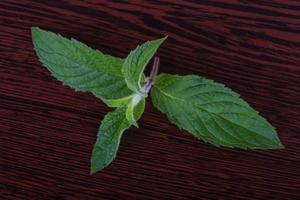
[
  {"x": 136, "y": 99},
  {"x": 212, "y": 112},
  {"x": 79, "y": 66},
  {"x": 119, "y": 102},
  {"x": 109, "y": 136},
  {"x": 136, "y": 62},
  {"x": 125, "y": 101}
]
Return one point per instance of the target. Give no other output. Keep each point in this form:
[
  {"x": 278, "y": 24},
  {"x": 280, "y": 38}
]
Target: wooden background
[{"x": 48, "y": 130}]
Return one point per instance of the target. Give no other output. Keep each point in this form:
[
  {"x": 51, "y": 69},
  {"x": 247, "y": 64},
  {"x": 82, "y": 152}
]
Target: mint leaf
[
  {"x": 109, "y": 136},
  {"x": 212, "y": 112},
  {"x": 136, "y": 62},
  {"x": 136, "y": 99},
  {"x": 79, "y": 66},
  {"x": 119, "y": 102}
]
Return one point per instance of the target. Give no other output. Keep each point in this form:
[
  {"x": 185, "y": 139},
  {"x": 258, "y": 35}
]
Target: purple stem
[{"x": 153, "y": 74}]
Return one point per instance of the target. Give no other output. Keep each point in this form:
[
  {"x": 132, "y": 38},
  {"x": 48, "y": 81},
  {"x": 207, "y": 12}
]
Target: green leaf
[
  {"x": 212, "y": 112},
  {"x": 119, "y": 102},
  {"x": 125, "y": 101},
  {"x": 109, "y": 136},
  {"x": 136, "y": 99},
  {"x": 136, "y": 62},
  {"x": 79, "y": 66}
]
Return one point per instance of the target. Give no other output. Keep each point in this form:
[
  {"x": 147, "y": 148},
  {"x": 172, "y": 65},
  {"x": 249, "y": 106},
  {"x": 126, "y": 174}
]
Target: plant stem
[{"x": 153, "y": 74}]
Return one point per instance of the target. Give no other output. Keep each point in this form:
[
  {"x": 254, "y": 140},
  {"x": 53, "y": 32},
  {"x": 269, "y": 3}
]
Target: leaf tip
[
  {"x": 34, "y": 29},
  {"x": 93, "y": 171},
  {"x": 279, "y": 145},
  {"x": 35, "y": 33},
  {"x": 276, "y": 145},
  {"x": 134, "y": 123},
  {"x": 161, "y": 40},
  {"x": 94, "y": 167}
]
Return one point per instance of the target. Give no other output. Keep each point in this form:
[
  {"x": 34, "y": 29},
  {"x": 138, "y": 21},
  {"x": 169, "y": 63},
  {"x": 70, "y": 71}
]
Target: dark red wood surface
[{"x": 48, "y": 130}]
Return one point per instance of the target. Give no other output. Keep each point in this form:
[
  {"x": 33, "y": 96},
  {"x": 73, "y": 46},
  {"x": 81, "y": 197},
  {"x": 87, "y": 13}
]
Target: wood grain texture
[{"x": 47, "y": 130}]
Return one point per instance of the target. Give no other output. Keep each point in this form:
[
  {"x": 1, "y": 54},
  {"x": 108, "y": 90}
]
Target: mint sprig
[{"x": 208, "y": 110}]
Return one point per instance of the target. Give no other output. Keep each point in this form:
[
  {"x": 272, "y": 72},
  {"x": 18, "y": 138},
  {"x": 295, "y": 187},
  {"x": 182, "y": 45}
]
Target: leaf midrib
[{"x": 168, "y": 95}]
